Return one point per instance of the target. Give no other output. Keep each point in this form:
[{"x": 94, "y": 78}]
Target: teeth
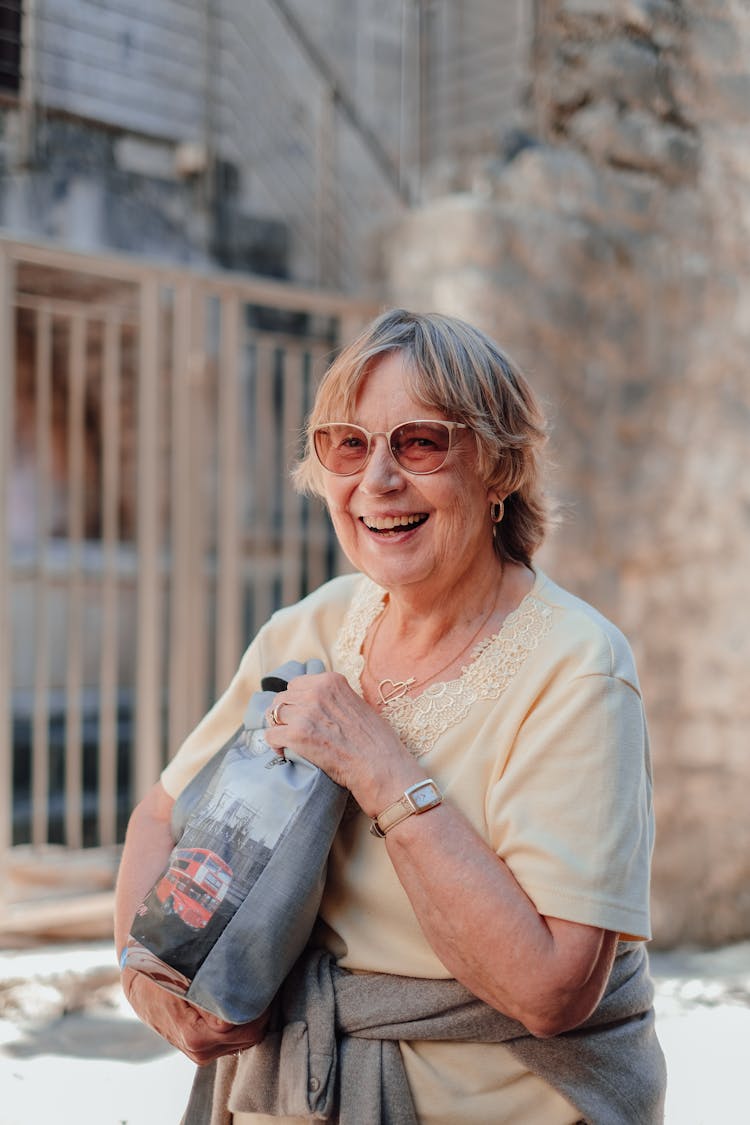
[{"x": 387, "y": 523}]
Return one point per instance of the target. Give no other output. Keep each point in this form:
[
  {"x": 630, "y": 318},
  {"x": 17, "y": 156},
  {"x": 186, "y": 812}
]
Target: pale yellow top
[{"x": 541, "y": 743}]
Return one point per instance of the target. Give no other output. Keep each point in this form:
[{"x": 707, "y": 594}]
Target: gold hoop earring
[{"x": 497, "y": 511}]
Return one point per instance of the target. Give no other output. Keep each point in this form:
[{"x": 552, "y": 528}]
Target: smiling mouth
[{"x": 394, "y": 523}]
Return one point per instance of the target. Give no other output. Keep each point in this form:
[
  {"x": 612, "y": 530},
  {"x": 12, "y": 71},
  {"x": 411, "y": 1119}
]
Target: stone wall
[{"x": 608, "y": 248}]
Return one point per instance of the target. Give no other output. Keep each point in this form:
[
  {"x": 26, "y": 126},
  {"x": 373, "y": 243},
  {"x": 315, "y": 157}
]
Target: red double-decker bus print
[{"x": 194, "y": 885}]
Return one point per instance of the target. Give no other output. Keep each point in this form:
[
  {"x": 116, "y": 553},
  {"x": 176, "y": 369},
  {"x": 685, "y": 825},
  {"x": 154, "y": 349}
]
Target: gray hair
[{"x": 456, "y": 369}]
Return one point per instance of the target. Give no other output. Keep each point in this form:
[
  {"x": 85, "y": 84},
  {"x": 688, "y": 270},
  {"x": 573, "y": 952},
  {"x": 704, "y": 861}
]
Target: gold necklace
[{"x": 389, "y": 689}]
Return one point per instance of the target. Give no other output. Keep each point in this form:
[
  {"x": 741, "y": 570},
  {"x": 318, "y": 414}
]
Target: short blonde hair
[{"x": 456, "y": 369}]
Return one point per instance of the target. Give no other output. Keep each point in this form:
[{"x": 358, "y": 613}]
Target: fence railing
[{"x": 148, "y": 416}]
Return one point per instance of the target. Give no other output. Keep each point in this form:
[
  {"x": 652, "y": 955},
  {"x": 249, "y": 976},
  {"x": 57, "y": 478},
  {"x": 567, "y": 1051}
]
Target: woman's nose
[{"x": 381, "y": 473}]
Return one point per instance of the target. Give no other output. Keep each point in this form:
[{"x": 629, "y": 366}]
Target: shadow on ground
[{"x": 89, "y": 1035}]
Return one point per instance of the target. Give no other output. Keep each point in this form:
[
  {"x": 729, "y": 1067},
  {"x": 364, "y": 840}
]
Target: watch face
[{"x": 424, "y": 796}]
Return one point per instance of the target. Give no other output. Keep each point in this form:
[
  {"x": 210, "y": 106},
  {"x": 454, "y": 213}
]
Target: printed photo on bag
[{"x": 226, "y": 845}]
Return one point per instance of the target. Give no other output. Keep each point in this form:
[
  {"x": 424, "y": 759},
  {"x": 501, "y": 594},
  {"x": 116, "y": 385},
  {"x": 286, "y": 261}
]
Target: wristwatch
[{"x": 416, "y": 799}]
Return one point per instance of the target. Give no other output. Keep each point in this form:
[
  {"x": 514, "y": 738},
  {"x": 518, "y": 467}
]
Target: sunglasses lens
[
  {"x": 421, "y": 447},
  {"x": 341, "y": 448}
]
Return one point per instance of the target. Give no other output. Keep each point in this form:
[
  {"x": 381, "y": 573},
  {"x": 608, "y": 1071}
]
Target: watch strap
[{"x": 417, "y": 799}]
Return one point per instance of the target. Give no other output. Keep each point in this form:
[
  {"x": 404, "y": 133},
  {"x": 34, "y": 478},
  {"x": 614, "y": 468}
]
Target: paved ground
[{"x": 71, "y": 1052}]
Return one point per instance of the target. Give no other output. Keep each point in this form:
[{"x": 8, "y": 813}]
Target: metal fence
[{"x": 148, "y": 416}]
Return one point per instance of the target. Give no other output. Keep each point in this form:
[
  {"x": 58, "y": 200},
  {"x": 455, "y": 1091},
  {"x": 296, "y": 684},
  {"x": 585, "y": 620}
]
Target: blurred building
[{"x": 273, "y": 136}]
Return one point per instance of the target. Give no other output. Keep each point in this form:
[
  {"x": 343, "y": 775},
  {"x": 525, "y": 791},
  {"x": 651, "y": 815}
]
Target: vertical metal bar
[
  {"x": 317, "y": 527},
  {"x": 201, "y": 415},
  {"x": 249, "y": 563},
  {"x": 292, "y": 546},
  {"x": 43, "y": 579},
  {"x": 183, "y": 503},
  {"x": 246, "y": 511},
  {"x": 180, "y": 501},
  {"x": 228, "y": 599},
  {"x": 110, "y": 422},
  {"x": 263, "y": 476},
  {"x": 349, "y": 326},
  {"x": 76, "y": 531},
  {"x": 7, "y": 411},
  {"x": 149, "y": 686}
]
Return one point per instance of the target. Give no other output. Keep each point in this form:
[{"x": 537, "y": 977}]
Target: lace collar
[{"x": 420, "y": 720}]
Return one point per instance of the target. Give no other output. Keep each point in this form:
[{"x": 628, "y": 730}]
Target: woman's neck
[
  {"x": 423, "y": 620},
  {"x": 408, "y": 647}
]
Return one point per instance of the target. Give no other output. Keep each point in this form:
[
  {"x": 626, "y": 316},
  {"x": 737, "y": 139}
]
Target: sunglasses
[{"x": 419, "y": 447}]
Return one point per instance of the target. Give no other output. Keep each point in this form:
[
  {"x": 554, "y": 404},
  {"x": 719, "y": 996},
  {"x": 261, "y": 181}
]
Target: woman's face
[{"x": 449, "y": 534}]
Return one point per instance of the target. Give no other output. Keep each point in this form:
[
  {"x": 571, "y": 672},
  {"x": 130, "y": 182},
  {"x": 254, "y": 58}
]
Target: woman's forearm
[
  {"x": 543, "y": 971},
  {"x": 148, "y": 842},
  {"x": 547, "y": 973}
]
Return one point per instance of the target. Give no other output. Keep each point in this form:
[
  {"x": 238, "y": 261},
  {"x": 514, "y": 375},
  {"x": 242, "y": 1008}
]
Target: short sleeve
[
  {"x": 218, "y": 725},
  {"x": 571, "y": 814}
]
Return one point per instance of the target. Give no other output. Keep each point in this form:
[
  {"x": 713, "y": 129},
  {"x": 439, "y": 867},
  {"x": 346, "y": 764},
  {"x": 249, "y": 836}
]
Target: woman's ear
[{"x": 496, "y": 495}]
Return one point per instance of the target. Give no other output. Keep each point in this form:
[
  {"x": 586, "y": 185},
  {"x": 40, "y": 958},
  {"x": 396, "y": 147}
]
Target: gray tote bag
[{"x": 237, "y": 900}]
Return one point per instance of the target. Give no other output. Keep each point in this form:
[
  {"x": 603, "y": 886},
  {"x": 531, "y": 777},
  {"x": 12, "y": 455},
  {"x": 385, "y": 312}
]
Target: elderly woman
[{"x": 490, "y": 728}]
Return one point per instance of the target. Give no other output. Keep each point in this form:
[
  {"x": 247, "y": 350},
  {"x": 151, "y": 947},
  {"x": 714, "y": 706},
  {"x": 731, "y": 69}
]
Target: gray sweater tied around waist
[{"x": 332, "y": 1054}]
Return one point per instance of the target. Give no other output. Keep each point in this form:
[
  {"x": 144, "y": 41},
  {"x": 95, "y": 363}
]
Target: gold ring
[{"x": 275, "y": 714}]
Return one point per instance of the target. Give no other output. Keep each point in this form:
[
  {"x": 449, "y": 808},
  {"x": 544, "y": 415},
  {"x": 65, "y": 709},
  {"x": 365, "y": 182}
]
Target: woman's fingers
[
  {"x": 322, "y": 719},
  {"x": 314, "y": 712},
  {"x": 199, "y": 1035}
]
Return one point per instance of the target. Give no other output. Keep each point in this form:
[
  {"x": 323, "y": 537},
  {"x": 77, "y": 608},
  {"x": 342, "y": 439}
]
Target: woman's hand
[
  {"x": 322, "y": 719},
  {"x": 199, "y": 1035}
]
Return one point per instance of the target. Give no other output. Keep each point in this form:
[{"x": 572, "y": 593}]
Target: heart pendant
[{"x": 393, "y": 689}]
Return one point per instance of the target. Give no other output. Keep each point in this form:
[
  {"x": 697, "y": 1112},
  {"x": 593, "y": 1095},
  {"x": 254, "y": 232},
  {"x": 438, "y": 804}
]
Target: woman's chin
[{"x": 390, "y": 572}]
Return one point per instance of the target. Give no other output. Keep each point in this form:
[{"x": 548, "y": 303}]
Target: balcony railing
[{"x": 148, "y": 418}]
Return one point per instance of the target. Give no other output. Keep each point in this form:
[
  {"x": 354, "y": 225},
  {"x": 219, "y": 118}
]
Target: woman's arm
[
  {"x": 548, "y": 973},
  {"x": 148, "y": 842},
  {"x": 200, "y": 1035},
  {"x": 545, "y": 972}
]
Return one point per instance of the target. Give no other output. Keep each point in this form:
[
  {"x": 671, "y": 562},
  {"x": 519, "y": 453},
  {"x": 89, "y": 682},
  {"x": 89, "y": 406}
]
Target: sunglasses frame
[{"x": 388, "y": 434}]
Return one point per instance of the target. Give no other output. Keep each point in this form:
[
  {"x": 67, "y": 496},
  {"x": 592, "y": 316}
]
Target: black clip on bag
[{"x": 237, "y": 901}]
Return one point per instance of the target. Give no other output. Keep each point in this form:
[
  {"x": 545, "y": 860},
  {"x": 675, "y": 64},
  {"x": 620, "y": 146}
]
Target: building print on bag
[
  {"x": 184, "y": 902},
  {"x": 226, "y": 830}
]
